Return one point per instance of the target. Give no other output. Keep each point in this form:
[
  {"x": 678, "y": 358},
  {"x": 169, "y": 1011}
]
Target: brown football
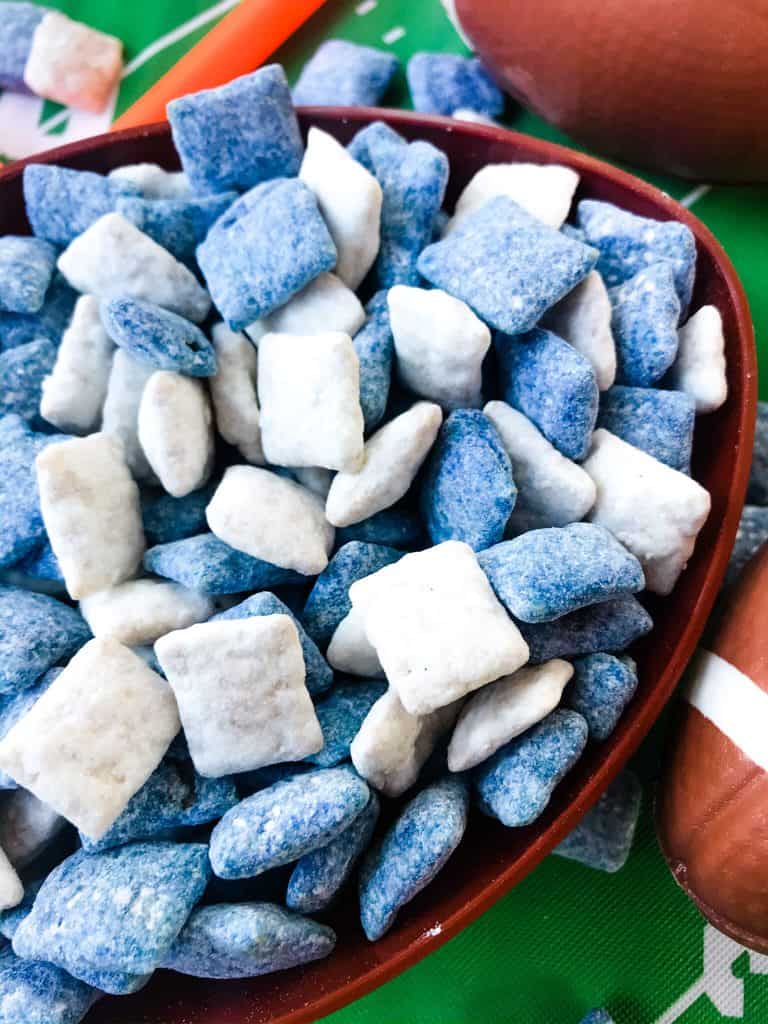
[{"x": 676, "y": 86}]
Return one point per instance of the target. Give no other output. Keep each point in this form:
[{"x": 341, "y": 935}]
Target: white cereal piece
[
  {"x": 74, "y": 393},
  {"x": 351, "y": 651},
  {"x": 655, "y": 511},
  {"x": 154, "y": 181},
  {"x": 139, "y": 612},
  {"x": 90, "y": 507},
  {"x": 552, "y": 490},
  {"x": 309, "y": 394},
  {"x": 233, "y": 393},
  {"x": 113, "y": 259},
  {"x": 700, "y": 369},
  {"x": 27, "y": 826},
  {"x": 240, "y": 686},
  {"x": 583, "y": 319},
  {"x": 271, "y": 518},
  {"x": 120, "y": 415},
  {"x": 392, "y": 746},
  {"x": 393, "y": 456},
  {"x": 315, "y": 479},
  {"x": 325, "y": 304},
  {"x": 349, "y": 198},
  {"x": 440, "y": 345},
  {"x": 416, "y": 614},
  {"x": 11, "y": 889},
  {"x": 543, "y": 191},
  {"x": 73, "y": 64},
  {"x": 256, "y": 331},
  {"x": 473, "y": 116},
  {"x": 505, "y": 709},
  {"x": 176, "y": 431},
  {"x": 94, "y": 737}
]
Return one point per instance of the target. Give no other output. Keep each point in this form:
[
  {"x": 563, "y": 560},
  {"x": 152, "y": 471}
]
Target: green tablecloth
[{"x": 567, "y": 938}]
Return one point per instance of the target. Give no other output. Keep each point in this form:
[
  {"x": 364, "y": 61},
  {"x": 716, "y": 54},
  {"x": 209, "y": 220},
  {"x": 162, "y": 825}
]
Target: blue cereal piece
[
  {"x": 395, "y": 527},
  {"x": 545, "y": 574},
  {"x": 344, "y": 74},
  {"x": 597, "y": 1017},
  {"x": 26, "y": 268},
  {"x": 239, "y": 134},
  {"x": 328, "y": 602},
  {"x": 609, "y": 626},
  {"x": 468, "y": 491},
  {"x": 443, "y": 82},
  {"x": 11, "y": 919},
  {"x": 39, "y": 993},
  {"x": 413, "y": 177},
  {"x": 179, "y": 225},
  {"x": 645, "y": 312},
  {"x": 120, "y": 910},
  {"x": 340, "y": 715},
  {"x": 757, "y": 493},
  {"x": 62, "y": 203},
  {"x": 516, "y": 783},
  {"x": 207, "y": 564},
  {"x": 659, "y": 422},
  {"x": 158, "y": 337},
  {"x": 375, "y": 349},
  {"x": 507, "y": 265},
  {"x": 41, "y": 564},
  {"x": 552, "y": 384},
  {"x": 22, "y": 371},
  {"x": 50, "y": 322},
  {"x": 17, "y": 27},
  {"x": 15, "y": 705},
  {"x": 750, "y": 537},
  {"x": 166, "y": 518},
  {"x": 267, "y": 246},
  {"x": 321, "y": 874},
  {"x": 21, "y": 523},
  {"x": 245, "y": 940},
  {"x": 601, "y": 688},
  {"x": 302, "y": 813},
  {"x": 319, "y": 674},
  {"x": 603, "y": 838},
  {"x": 412, "y": 853},
  {"x": 629, "y": 243}
]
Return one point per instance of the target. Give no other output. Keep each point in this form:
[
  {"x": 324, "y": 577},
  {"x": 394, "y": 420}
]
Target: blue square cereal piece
[
  {"x": 340, "y": 715},
  {"x": 267, "y": 246},
  {"x": 750, "y": 537},
  {"x": 344, "y": 74},
  {"x": 17, "y": 27},
  {"x": 507, "y": 265},
  {"x": 320, "y": 875},
  {"x": 757, "y": 494},
  {"x": 603, "y": 838},
  {"x": 659, "y": 422},
  {"x": 412, "y": 853},
  {"x": 443, "y": 82},
  {"x": 22, "y": 371},
  {"x": 50, "y": 322},
  {"x": 239, "y": 134},
  {"x": 545, "y": 574},
  {"x": 158, "y": 337},
  {"x": 39, "y": 993},
  {"x": 645, "y": 311},
  {"x": 179, "y": 225},
  {"x": 166, "y": 518},
  {"x": 328, "y": 602},
  {"x": 552, "y": 384},
  {"x": 205, "y": 563},
  {"x": 21, "y": 523},
  {"x": 468, "y": 491},
  {"x": 395, "y": 527},
  {"x": 15, "y": 705},
  {"x": 120, "y": 910},
  {"x": 62, "y": 203},
  {"x": 609, "y": 626},
  {"x": 628, "y": 243},
  {"x": 26, "y": 268},
  {"x": 245, "y": 940},
  {"x": 304, "y": 812},
  {"x": 601, "y": 688},
  {"x": 375, "y": 348},
  {"x": 598, "y": 1017},
  {"x": 516, "y": 783},
  {"x": 41, "y": 564},
  {"x": 413, "y": 177},
  {"x": 319, "y": 674}
]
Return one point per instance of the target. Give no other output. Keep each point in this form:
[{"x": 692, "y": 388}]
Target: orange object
[{"x": 241, "y": 42}]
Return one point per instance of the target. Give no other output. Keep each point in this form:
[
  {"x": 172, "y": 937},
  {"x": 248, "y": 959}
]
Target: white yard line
[
  {"x": 695, "y": 195},
  {"x": 393, "y": 35},
  {"x": 366, "y": 7}
]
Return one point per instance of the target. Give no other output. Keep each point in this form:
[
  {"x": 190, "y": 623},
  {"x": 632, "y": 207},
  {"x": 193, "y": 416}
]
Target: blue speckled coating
[
  {"x": 413, "y": 177},
  {"x": 303, "y": 812},
  {"x": 544, "y": 574},
  {"x": 341, "y": 714},
  {"x": 443, "y": 82},
  {"x": 247, "y": 939},
  {"x": 628, "y": 243},
  {"x": 468, "y": 490},
  {"x": 609, "y": 626},
  {"x": 645, "y": 311},
  {"x": 344, "y": 74},
  {"x": 267, "y": 246},
  {"x": 374, "y": 346},
  {"x": 49, "y": 322},
  {"x": 179, "y": 225},
  {"x": 552, "y": 384},
  {"x": 416, "y": 847},
  {"x": 507, "y": 265},
  {"x": 26, "y": 268},
  {"x": 158, "y": 337},
  {"x": 14, "y": 706},
  {"x": 205, "y": 563},
  {"x": 17, "y": 26},
  {"x": 750, "y": 537},
  {"x": 601, "y": 688},
  {"x": 11, "y": 919},
  {"x": 120, "y": 910},
  {"x": 320, "y": 875},
  {"x": 62, "y": 203},
  {"x": 598, "y": 1017},
  {"x": 394, "y": 527},
  {"x": 757, "y": 494},
  {"x": 166, "y": 518},
  {"x": 22, "y": 371},
  {"x": 40, "y": 564},
  {"x": 516, "y": 783},
  {"x": 37, "y": 993},
  {"x": 328, "y": 602},
  {"x": 659, "y": 422},
  {"x": 319, "y": 674},
  {"x": 603, "y": 838}
]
